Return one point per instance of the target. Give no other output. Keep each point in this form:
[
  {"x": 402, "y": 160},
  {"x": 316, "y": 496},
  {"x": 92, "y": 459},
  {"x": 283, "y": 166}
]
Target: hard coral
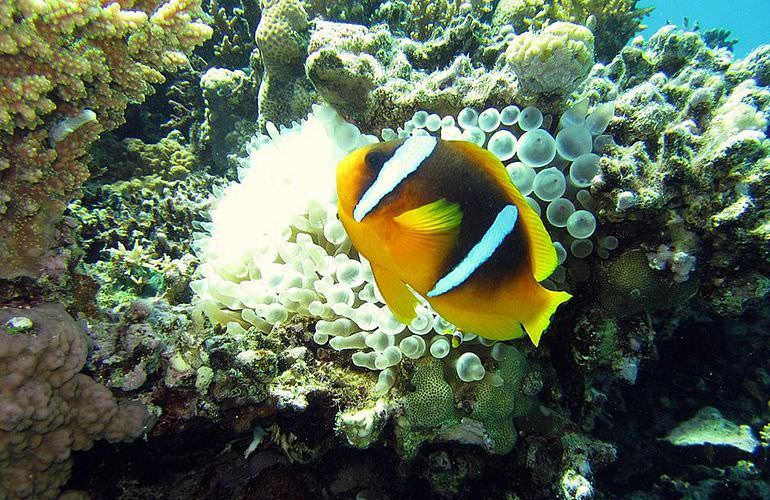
[
  {"x": 47, "y": 408},
  {"x": 429, "y": 18},
  {"x": 65, "y": 60},
  {"x": 385, "y": 88},
  {"x": 694, "y": 157},
  {"x": 613, "y": 22},
  {"x": 553, "y": 61},
  {"x": 432, "y": 402},
  {"x": 499, "y": 399},
  {"x": 628, "y": 285},
  {"x": 282, "y": 36}
]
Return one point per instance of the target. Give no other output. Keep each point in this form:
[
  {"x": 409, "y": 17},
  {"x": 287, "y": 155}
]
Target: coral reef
[
  {"x": 50, "y": 409},
  {"x": 300, "y": 263},
  {"x": 431, "y": 19},
  {"x": 686, "y": 132},
  {"x": 234, "y": 23},
  {"x": 135, "y": 235},
  {"x": 230, "y": 98},
  {"x": 67, "y": 60},
  {"x": 372, "y": 81},
  {"x": 613, "y": 22},
  {"x": 257, "y": 335},
  {"x": 552, "y": 61},
  {"x": 282, "y": 37}
]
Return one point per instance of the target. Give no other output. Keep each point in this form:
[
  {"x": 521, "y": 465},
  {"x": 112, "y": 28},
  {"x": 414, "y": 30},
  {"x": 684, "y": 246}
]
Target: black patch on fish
[{"x": 449, "y": 174}]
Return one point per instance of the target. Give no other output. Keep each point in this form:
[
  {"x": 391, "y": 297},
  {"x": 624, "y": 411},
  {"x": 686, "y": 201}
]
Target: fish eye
[{"x": 374, "y": 159}]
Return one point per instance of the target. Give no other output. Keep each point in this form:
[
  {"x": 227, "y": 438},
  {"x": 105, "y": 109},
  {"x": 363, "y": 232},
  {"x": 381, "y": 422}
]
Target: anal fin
[{"x": 401, "y": 301}]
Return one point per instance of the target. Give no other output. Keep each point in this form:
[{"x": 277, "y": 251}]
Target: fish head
[{"x": 358, "y": 171}]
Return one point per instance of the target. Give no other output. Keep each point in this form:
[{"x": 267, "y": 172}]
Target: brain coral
[
  {"x": 613, "y": 22},
  {"x": 553, "y": 61},
  {"x": 47, "y": 408},
  {"x": 432, "y": 402}
]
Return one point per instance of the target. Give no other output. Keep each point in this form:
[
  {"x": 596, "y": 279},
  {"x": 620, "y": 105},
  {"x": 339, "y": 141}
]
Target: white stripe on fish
[
  {"x": 406, "y": 159},
  {"x": 480, "y": 253}
]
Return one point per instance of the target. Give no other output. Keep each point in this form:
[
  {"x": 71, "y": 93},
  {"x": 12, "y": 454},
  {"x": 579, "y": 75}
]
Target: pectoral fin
[
  {"x": 440, "y": 216},
  {"x": 398, "y": 297},
  {"x": 426, "y": 234}
]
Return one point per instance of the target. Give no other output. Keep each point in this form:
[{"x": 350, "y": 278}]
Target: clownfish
[{"x": 443, "y": 219}]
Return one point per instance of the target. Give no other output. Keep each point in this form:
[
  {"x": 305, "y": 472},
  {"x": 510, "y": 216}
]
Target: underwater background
[
  {"x": 183, "y": 313},
  {"x": 746, "y": 20}
]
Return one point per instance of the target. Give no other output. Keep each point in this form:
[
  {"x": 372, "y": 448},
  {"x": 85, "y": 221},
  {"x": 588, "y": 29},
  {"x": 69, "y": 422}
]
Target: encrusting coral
[
  {"x": 68, "y": 71},
  {"x": 693, "y": 160},
  {"x": 48, "y": 408}
]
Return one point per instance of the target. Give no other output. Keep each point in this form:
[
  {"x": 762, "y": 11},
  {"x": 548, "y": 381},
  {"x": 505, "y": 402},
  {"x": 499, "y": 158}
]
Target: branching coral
[
  {"x": 234, "y": 24},
  {"x": 63, "y": 60}
]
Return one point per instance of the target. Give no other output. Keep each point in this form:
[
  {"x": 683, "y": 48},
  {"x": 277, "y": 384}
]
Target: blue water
[{"x": 748, "y": 20}]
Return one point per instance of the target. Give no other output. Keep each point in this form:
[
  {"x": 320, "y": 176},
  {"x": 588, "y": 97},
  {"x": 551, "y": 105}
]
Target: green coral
[
  {"x": 136, "y": 235},
  {"x": 234, "y": 24},
  {"x": 432, "y": 403},
  {"x": 169, "y": 158},
  {"x": 628, "y": 286},
  {"x": 423, "y": 20},
  {"x": 230, "y": 98},
  {"x": 385, "y": 87},
  {"x": 496, "y": 404}
]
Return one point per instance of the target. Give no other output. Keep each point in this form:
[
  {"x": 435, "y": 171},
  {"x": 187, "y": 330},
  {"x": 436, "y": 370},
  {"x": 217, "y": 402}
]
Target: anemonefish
[{"x": 443, "y": 219}]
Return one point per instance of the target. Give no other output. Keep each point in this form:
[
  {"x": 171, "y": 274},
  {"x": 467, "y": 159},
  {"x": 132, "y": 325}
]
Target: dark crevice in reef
[
  {"x": 207, "y": 462},
  {"x": 701, "y": 361}
]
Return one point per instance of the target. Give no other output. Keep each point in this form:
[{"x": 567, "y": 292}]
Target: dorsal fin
[{"x": 542, "y": 251}]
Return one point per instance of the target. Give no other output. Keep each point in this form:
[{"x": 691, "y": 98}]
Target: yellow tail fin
[{"x": 538, "y": 323}]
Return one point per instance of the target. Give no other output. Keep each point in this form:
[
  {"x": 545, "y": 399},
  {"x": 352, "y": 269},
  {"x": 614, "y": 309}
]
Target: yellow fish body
[{"x": 444, "y": 218}]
